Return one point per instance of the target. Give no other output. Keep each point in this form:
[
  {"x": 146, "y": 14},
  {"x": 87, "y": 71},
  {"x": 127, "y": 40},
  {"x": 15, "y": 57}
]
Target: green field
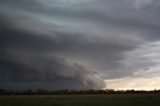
[{"x": 81, "y": 100}]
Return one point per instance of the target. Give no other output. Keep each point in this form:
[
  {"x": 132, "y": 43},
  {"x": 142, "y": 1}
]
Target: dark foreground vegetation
[
  {"x": 75, "y": 92},
  {"x": 79, "y": 98}
]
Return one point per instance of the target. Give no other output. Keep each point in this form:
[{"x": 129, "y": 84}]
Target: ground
[{"x": 82, "y": 100}]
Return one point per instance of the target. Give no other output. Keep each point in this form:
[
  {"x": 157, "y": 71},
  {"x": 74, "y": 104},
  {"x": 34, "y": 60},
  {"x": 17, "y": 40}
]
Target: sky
[{"x": 79, "y": 44}]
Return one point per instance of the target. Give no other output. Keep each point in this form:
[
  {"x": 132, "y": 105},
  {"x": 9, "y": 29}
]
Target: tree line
[{"x": 73, "y": 92}]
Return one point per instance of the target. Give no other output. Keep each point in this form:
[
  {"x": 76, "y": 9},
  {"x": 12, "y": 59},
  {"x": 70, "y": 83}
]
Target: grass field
[{"x": 81, "y": 100}]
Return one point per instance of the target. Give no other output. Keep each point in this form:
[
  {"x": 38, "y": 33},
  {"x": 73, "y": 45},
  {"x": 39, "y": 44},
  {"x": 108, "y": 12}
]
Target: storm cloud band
[{"x": 76, "y": 44}]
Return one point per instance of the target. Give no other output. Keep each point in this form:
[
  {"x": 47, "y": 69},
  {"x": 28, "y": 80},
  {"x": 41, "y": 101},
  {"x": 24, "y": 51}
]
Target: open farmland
[{"x": 82, "y": 100}]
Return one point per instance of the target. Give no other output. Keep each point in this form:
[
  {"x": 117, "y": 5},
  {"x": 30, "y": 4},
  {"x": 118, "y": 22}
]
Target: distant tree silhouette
[{"x": 75, "y": 92}]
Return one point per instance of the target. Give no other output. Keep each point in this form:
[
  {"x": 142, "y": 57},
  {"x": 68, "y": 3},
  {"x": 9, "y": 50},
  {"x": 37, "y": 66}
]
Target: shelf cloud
[{"x": 77, "y": 44}]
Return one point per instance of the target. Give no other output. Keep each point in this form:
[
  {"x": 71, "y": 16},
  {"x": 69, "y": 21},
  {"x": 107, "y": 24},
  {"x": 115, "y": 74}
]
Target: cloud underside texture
[{"x": 77, "y": 44}]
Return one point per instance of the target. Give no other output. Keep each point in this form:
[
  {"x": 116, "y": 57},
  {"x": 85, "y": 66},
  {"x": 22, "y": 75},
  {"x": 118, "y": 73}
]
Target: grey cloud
[
  {"x": 102, "y": 52},
  {"x": 52, "y": 72},
  {"x": 143, "y": 20},
  {"x": 18, "y": 69},
  {"x": 144, "y": 58},
  {"x": 94, "y": 33}
]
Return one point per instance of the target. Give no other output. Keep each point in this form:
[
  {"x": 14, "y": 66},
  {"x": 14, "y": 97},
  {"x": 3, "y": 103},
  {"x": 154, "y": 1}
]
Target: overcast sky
[{"x": 79, "y": 44}]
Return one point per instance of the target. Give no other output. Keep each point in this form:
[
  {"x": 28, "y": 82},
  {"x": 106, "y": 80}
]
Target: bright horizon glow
[{"x": 137, "y": 83}]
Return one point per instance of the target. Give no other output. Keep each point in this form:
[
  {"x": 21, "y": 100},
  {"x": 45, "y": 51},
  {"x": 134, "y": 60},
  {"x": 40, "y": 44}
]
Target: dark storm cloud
[
  {"x": 72, "y": 45},
  {"x": 94, "y": 33},
  {"x": 19, "y": 68},
  {"x": 13, "y": 36},
  {"x": 51, "y": 72},
  {"x": 57, "y": 73},
  {"x": 21, "y": 3}
]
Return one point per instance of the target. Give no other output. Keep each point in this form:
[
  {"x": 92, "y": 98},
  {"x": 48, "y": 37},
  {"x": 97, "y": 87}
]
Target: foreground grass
[{"x": 81, "y": 100}]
